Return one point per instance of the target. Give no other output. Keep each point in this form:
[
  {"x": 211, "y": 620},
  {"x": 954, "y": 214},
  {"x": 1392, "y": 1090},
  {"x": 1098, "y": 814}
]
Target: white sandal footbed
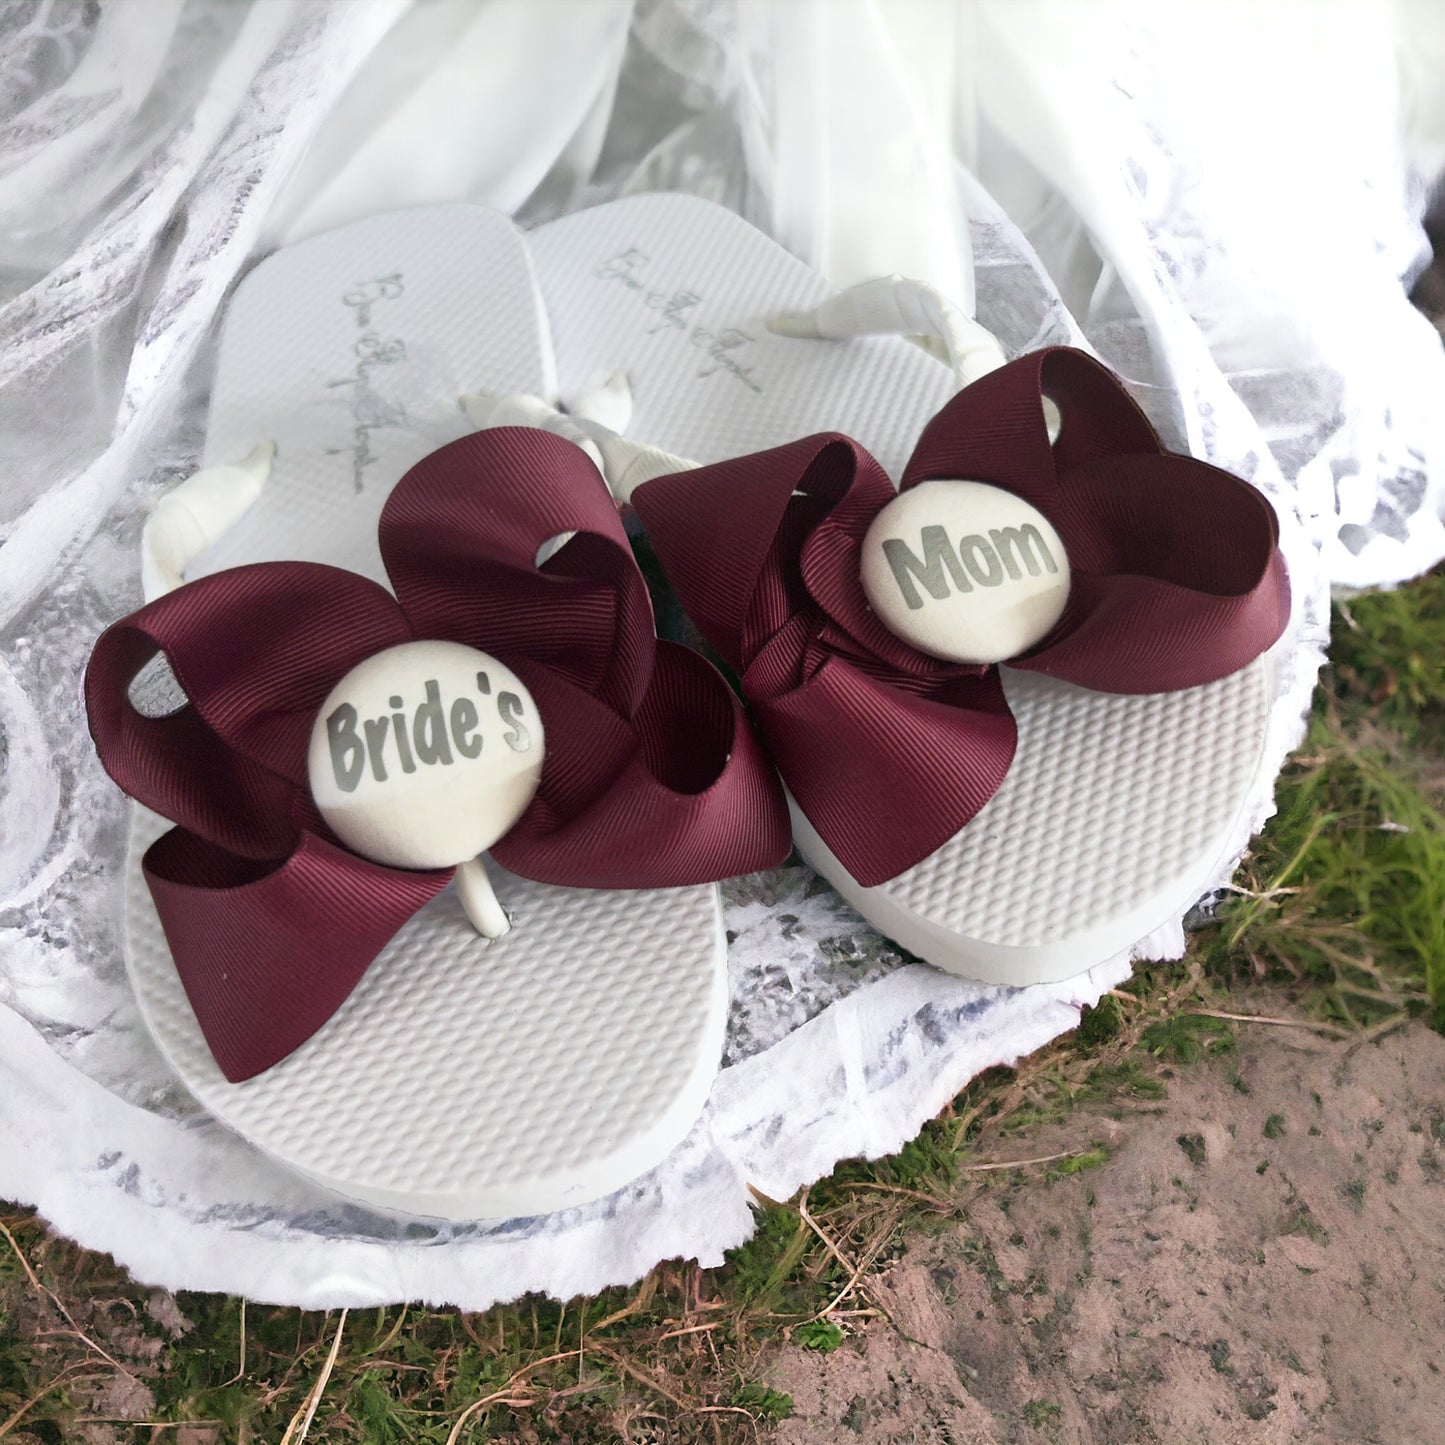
[
  {"x": 1074, "y": 862},
  {"x": 465, "y": 1079}
]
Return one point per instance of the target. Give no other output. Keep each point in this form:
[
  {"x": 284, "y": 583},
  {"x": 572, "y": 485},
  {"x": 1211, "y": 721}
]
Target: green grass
[
  {"x": 1358, "y": 902},
  {"x": 1388, "y": 653},
  {"x": 821, "y": 1335},
  {"x": 1345, "y": 891},
  {"x": 1341, "y": 910}
]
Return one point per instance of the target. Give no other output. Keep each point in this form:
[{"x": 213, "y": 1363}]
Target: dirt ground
[{"x": 1261, "y": 1259}]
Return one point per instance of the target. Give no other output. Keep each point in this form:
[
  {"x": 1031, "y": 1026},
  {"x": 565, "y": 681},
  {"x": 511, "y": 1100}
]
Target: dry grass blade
[
  {"x": 822, "y": 1234},
  {"x": 497, "y": 1397},
  {"x": 639, "y": 1301},
  {"x": 47, "y": 1294},
  {"x": 69, "y": 1374},
  {"x": 934, "y": 1201},
  {"x": 504, "y": 1396},
  {"x": 1314, "y": 1025},
  {"x": 642, "y": 1377},
  {"x": 865, "y": 1262},
  {"x": 1377, "y": 1031},
  {"x": 688, "y": 1330},
  {"x": 241, "y": 1365},
  {"x": 995, "y": 1164},
  {"x": 304, "y": 1416}
]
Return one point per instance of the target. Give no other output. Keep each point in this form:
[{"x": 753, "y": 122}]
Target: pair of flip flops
[{"x": 326, "y": 995}]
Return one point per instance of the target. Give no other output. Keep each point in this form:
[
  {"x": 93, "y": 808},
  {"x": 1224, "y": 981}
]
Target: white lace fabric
[{"x": 1223, "y": 201}]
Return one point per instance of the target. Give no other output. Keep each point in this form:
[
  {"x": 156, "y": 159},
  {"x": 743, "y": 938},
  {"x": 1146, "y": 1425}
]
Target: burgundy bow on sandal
[
  {"x": 1176, "y": 581},
  {"x": 651, "y": 778}
]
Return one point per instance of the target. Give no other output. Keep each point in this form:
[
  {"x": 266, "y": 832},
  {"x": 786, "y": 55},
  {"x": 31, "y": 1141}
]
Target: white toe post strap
[
  {"x": 593, "y": 421},
  {"x": 608, "y": 405},
  {"x": 487, "y": 411},
  {"x": 604, "y": 412},
  {"x": 195, "y": 515},
  {"x": 885, "y": 306},
  {"x": 479, "y": 899},
  {"x": 627, "y": 464},
  {"x": 898, "y": 306}
]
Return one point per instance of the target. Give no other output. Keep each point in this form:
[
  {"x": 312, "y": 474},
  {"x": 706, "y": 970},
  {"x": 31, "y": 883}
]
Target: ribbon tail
[
  {"x": 887, "y": 777},
  {"x": 268, "y": 951}
]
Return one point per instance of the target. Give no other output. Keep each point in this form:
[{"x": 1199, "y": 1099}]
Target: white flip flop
[
  {"x": 1118, "y": 811},
  {"x": 463, "y": 1078}
]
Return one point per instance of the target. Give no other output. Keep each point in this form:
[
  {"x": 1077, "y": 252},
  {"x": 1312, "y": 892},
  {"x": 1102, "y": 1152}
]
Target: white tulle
[{"x": 1224, "y": 200}]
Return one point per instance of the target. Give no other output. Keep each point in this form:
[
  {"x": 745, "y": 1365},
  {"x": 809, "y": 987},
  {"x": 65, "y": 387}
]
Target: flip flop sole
[
  {"x": 1119, "y": 812},
  {"x": 464, "y": 1078}
]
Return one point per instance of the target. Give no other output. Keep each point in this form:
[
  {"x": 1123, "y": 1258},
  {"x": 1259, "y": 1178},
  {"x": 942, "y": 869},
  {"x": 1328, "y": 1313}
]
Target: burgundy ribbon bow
[
  {"x": 1176, "y": 581},
  {"x": 652, "y": 777}
]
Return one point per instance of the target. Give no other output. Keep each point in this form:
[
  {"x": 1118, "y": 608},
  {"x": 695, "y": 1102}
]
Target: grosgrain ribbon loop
[
  {"x": 1177, "y": 580},
  {"x": 652, "y": 777}
]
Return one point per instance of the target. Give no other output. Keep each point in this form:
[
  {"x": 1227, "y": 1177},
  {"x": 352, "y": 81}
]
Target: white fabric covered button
[
  {"x": 425, "y": 754},
  {"x": 965, "y": 571}
]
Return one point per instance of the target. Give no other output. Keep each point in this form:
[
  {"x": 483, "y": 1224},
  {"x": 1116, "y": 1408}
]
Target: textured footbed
[
  {"x": 1076, "y": 857},
  {"x": 350, "y": 351},
  {"x": 675, "y": 292},
  {"x": 1118, "y": 811},
  {"x": 472, "y": 1078},
  {"x": 464, "y": 1078}
]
